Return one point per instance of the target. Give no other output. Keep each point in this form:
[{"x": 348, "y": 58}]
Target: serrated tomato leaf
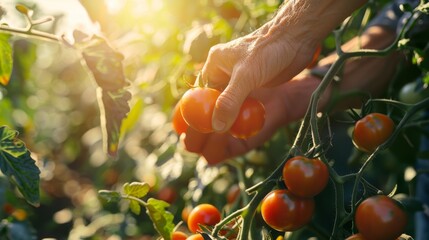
[
  {"x": 135, "y": 207},
  {"x": 16, "y": 163},
  {"x": 136, "y": 189},
  {"x": 5, "y": 59},
  {"x": 110, "y": 196},
  {"x": 162, "y": 219},
  {"x": 113, "y": 110},
  {"x": 106, "y": 67}
]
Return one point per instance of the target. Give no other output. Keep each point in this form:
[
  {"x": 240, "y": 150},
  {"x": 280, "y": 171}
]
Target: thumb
[{"x": 228, "y": 104}]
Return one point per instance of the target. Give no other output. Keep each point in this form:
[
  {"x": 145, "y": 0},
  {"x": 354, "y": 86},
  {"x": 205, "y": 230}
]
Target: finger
[
  {"x": 216, "y": 148},
  {"x": 230, "y": 100},
  {"x": 216, "y": 71},
  {"x": 194, "y": 141}
]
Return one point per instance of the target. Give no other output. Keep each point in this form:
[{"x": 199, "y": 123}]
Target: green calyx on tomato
[
  {"x": 283, "y": 211},
  {"x": 305, "y": 177},
  {"x": 380, "y": 218},
  {"x": 371, "y": 131}
]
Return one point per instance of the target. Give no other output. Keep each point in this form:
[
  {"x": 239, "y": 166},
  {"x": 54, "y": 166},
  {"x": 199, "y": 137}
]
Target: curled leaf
[{"x": 16, "y": 163}]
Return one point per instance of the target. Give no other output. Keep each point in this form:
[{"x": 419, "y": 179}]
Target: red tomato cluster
[
  {"x": 292, "y": 208},
  {"x": 380, "y": 218},
  {"x": 195, "y": 109},
  {"x": 371, "y": 131}
]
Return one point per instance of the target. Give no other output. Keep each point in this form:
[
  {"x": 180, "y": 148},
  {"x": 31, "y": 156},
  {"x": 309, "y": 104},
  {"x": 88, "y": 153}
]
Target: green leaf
[
  {"x": 5, "y": 59},
  {"x": 16, "y": 163},
  {"x": 106, "y": 66},
  {"x": 162, "y": 219},
  {"x": 135, "y": 207},
  {"x": 136, "y": 189},
  {"x": 110, "y": 196}
]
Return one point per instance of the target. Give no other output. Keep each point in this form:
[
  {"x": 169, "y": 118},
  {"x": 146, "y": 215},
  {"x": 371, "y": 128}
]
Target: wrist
[{"x": 303, "y": 18}]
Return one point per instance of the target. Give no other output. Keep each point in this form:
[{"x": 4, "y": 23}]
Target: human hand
[{"x": 271, "y": 55}]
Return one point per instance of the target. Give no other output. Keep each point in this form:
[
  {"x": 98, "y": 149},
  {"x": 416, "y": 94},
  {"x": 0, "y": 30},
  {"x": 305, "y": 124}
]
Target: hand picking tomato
[
  {"x": 197, "y": 105},
  {"x": 179, "y": 124},
  {"x": 283, "y": 211},
  {"x": 178, "y": 235},
  {"x": 250, "y": 119},
  {"x": 380, "y": 218},
  {"x": 305, "y": 177},
  {"x": 371, "y": 131},
  {"x": 203, "y": 214}
]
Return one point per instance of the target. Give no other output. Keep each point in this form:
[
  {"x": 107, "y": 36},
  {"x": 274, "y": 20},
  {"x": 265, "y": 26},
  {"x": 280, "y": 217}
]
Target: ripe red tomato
[
  {"x": 305, "y": 177},
  {"x": 283, "y": 211},
  {"x": 371, "y": 131},
  {"x": 203, "y": 214},
  {"x": 196, "y": 236},
  {"x": 178, "y": 235},
  {"x": 250, "y": 119},
  {"x": 380, "y": 217},
  {"x": 233, "y": 193},
  {"x": 179, "y": 124},
  {"x": 197, "y": 105},
  {"x": 167, "y": 194}
]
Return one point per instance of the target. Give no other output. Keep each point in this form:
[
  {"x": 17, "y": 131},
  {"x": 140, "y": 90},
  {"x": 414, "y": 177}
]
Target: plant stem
[{"x": 29, "y": 32}]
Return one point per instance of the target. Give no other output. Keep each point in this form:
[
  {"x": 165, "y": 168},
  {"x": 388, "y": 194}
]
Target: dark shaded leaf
[
  {"x": 17, "y": 164},
  {"x": 110, "y": 196},
  {"x": 5, "y": 59},
  {"x": 106, "y": 66},
  {"x": 162, "y": 219}
]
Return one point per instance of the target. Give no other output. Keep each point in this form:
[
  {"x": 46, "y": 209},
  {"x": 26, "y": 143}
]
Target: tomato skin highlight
[
  {"x": 197, "y": 105},
  {"x": 203, "y": 214},
  {"x": 179, "y": 124},
  {"x": 250, "y": 119},
  {"x": 196, "y": 236},
  {"x": 178, "y": 235},
  {"x": 371, "y": 131},
  {"x": 305, "y": 177},
  {"x": 283, "y": 211},
  {"x": 380, "y": 218}
]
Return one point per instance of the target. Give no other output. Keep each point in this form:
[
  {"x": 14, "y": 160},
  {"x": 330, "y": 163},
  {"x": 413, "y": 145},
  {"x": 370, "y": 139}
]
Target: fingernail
[{"x": 218, "y": 125}]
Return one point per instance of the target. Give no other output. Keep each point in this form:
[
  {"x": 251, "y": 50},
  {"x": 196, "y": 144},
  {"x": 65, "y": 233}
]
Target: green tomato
[{"x": 411, "y": 93}]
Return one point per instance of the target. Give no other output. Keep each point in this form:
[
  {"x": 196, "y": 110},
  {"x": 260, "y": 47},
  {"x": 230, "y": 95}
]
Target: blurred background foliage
[{"x": 51, "y": 100}]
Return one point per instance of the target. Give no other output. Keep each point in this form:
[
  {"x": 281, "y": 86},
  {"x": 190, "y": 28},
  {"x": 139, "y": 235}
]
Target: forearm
[{"x": 310, "y": 20}]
